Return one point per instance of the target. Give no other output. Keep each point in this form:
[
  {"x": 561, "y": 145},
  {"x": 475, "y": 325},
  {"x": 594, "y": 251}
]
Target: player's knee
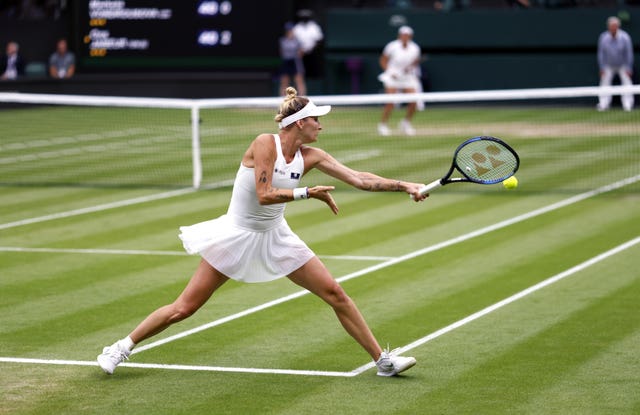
[
  {"x": 337, "y": 296},
  {"x": 182, "y": 311}
]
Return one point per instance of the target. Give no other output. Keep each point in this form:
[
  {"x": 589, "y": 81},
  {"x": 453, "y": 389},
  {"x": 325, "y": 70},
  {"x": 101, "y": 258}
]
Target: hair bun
[{"x": 291, "y": 93}]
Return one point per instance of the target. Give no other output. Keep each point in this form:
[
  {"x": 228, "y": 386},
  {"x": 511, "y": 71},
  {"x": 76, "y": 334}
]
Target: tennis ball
[{"x": 510, "y": 183}]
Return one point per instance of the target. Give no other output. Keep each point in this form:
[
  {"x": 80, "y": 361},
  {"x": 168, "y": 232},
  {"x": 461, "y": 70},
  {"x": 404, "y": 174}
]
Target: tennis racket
[{"x": 483, "y": 160}]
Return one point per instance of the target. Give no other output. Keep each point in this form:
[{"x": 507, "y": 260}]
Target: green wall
[{"x": 475, "y": 49}]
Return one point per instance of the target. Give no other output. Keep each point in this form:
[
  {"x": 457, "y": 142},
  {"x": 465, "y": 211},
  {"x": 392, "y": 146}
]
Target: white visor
[{"x": 309, "y": 110}]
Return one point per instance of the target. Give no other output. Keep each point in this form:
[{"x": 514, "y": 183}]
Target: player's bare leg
[
  {"x": 316, "y": 278},
  {"x": 204, "y": 282},
  {"x": 383, "y": 128}
]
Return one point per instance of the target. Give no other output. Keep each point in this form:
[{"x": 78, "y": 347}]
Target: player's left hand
[{"x": 322, "y": 193}]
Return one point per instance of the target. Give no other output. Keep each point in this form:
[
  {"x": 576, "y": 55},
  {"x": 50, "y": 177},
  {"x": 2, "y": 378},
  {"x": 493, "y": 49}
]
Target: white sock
[{"x": 127, "y": 343}]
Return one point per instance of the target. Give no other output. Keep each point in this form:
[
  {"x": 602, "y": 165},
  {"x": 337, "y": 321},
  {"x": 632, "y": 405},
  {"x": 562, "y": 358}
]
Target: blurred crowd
[{"x": 32, "y": 9}]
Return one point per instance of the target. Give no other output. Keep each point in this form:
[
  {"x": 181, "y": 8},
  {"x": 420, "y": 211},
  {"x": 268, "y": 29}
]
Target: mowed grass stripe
[
  {"x": 543, "y": 361},
  {"x": 500, "y": 361},
  {"x": 86, "y": 282},
  {"x": 616, "y": 373},
  {"x": 445, "y": 286},
  {"x": 191, "y": 206},
  {"x": 566, "y": 169},
  {"x": 582, "y": 212},
  {"x": 159, "y": 168},
  {"x": 28, "y": 202}
]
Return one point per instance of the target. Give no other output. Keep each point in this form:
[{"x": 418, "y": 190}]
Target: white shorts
[{"x": 246, "y": 255}]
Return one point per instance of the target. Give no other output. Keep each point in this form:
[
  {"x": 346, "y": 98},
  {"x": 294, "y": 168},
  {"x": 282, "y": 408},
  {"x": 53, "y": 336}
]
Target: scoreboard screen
[{"x": 178, "y": 34}]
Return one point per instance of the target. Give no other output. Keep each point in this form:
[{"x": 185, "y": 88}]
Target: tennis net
[{"x": 563, "y": 142}]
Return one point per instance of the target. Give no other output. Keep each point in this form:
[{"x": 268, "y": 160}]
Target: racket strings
[{"x": 486, "y": 161}]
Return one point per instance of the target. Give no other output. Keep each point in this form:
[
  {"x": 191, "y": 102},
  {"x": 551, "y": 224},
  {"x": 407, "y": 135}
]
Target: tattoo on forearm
[
  {"x": 377, "y": 184},
  {"x": 282, "y": 196}
]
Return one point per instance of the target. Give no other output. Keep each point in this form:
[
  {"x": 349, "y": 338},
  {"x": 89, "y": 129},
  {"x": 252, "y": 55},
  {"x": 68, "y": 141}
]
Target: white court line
[
  {"x": 181, "y": 367},
  {"x": 98, "y": 208},
  {"x": 82, "y": 138},
  {"x": 91, "y": 251},
  {"x": 549, "y": 281},
  {"x": 552, "y": 280},
  {"x": 143, "y": 199},
  {"x": 161, "y": 253},
  {"x": 397, "y": 260},
  {"x": 113, "y": 205}
]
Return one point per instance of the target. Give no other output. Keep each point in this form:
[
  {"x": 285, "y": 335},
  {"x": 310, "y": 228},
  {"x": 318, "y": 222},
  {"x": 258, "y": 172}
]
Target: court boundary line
[
  {"x": 511, "y": 299},
  {"x": 462, "y": 322},
  {"x": 113, "y": 205}
]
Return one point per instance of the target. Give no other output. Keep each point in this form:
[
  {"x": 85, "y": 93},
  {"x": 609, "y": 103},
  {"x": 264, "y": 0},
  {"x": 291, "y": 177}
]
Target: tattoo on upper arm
[{"x": 263, "y": 177}]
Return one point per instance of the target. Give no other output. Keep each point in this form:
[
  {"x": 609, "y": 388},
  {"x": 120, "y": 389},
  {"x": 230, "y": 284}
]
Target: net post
[{"x": 195, "y": 146}]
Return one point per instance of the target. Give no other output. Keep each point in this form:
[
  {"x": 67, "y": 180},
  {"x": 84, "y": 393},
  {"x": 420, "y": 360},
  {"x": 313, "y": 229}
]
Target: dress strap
[{"x": 276, "y": 137}]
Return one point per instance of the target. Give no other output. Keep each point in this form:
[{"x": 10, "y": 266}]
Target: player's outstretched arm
[{"x": 326, "y": 163}]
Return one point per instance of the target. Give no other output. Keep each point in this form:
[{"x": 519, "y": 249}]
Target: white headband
[{"x": 309, "y": 110}]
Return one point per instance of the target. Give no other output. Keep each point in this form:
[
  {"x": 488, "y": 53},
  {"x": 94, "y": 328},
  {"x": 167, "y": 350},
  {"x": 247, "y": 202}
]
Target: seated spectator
[
  {"x": 11, "y": 65},
  {"x": 62, "y": 62}
]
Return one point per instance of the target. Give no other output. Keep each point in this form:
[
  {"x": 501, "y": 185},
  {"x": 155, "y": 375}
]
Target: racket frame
[{"x": 446, "y": 179}]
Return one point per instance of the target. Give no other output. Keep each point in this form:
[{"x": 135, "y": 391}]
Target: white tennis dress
[
  {"x": 252, "y": 242},
  {"x": 401, "y": 72}
]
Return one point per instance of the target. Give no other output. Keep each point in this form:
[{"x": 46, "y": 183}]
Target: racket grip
[
  {"x": 433, "y": 185},
  {"x": 426, "y": 189}
]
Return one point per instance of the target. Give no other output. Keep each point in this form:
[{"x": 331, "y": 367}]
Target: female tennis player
[{"x": 252, "y": 242}]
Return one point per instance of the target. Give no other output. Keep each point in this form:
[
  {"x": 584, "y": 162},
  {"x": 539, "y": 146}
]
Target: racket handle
[{"x": 433, "y": 185}]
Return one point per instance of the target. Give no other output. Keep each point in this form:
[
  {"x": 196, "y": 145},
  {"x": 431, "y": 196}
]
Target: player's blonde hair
[{"x": 292, "y": 104}]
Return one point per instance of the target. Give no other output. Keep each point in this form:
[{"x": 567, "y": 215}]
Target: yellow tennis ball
[{"x": 510, "y": 183}]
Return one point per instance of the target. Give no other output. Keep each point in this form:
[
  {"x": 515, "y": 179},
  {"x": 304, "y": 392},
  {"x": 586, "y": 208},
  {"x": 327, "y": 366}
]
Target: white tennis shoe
[
  {"x": 112, "y": 356},
  {"x": 406, "y": 127},
  {"x": 383, "y": 129},
  {"x": 390, "y": 365}
]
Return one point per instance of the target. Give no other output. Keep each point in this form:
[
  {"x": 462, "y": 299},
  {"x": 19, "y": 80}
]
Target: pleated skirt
[{"x": 243, "y": 254}]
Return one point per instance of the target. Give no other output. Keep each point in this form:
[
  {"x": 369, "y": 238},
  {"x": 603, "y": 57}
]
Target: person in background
[
  {"x": 11, "y": 65},
  {"x": 615, "y": 57},
  {"x": 400, "y": 62},
  {"x": 62, "y": 62},
  {"x": 310, "y": 35},
  {"x": 253, "y": 243},
  {"x": 292, "y": 67}
]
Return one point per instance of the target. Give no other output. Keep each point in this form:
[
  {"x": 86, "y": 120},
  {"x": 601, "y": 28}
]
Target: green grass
[{"x": 567, "y": 348}]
